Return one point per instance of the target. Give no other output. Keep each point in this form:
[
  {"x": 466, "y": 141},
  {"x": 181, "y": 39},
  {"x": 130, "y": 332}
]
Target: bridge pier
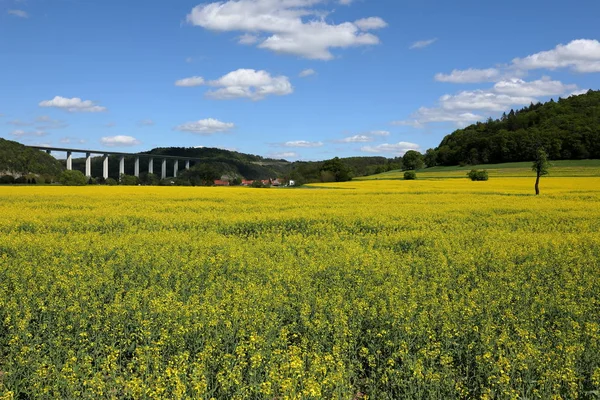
[
  {"x": 105, "y": 167},
  {"x": 136, "y": 168},
  {"x": 88, "y": 164},
  {"x": 137, "y": 157},
  {"x": 121, "y": 166}
]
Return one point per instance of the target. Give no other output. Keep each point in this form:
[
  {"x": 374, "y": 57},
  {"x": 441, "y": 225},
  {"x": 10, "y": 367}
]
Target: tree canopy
[
  {"x": 18, "y": 159},
  {"x": 568, "y": 129}
]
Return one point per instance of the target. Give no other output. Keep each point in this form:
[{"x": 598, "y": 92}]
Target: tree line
[{"x": 567, "y": 129}]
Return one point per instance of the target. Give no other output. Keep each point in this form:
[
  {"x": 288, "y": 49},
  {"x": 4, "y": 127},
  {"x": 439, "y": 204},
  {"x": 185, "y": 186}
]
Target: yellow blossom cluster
[{"x": 440, "y": 289}]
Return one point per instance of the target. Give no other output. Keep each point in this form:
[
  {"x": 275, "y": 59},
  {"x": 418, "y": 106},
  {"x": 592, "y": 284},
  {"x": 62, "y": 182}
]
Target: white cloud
[
  {"x": 283, "y": 155},
  {"x": 18, "y": 122},
  {"x": 72, "y": 105},
  {"x": 307, "y": 72},
  {"x": 396, "y": 149},
  {"x": 461, "y": 108},
  {"x": 367, "y": 24},
  {"x": 251, "y": 84},
  {"x": 248, "y": 38},
  {"x": 482, "y": 100},
  {"x": 291, "y": 26},
  {"x": 435, "y": 115},
  {"x": 19, "y": 13},
  {"x": 470, "y": 75},
  {"x": 189, "y": 60},
  {"x": 45, "y": 122},
  {"x": 581, "y": 55},
  {"x": 422, "y": 43},
  {"x": 243, "y": 83},
  {"x": 190, "y": 82},
  {"x": 206, "y": 126},
  {"x": 119, "y": 141},
  {"x": 302, "y": 144},
  {"x": 379, "y": 133},
  {"x": 146, "y": 122},
  {"x": 70, "y": 140},
  {"x": 541, "y": 87},
  {"x": 21, "y": 133},
  {"x": 579, "y": 92},
  {"x": 356, "y": 139}
]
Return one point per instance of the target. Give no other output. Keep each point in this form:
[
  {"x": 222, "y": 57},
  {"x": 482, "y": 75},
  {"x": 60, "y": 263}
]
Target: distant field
[{"x": 564, "y": 168}]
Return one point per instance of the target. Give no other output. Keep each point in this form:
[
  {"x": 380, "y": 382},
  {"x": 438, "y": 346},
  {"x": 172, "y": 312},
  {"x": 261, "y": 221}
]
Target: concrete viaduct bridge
[{"x": 105, "y": 154}]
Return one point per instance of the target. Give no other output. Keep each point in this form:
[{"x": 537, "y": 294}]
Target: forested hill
[
  {"x": 17, "y": 159},
  {"x": 228, "y": 162},
  {"x": 233, "y": 163},
  {"x": 568, "y": 129}
]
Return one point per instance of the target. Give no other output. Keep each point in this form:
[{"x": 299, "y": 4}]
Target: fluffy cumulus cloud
[
  {"x": 190, "y": 82},
  {"x": 579, "y": 92},
  {"x": 286, "y": 26},
  {"x": 396, "y": 148},
  {"x": 356, "y": 139},
  {"x": 206, "y": 126},
  {"x": 425, "y": 115},
  {"x": 367, "y": 24},
  {"x": 301, "y": 144},
  {"x": 119, "y": 141},
  {"x": 244, "y": 83},
  {"x": 471, "y": 75},
  {"x": 72, "y": 105},
  {"x": 19, "y": 13},
  {"x": 540, "y": 87},
  {"x": 482, "y": 100},
  {"x": 581, "y": 55},
  {"x": 467, "y": 106},
  {"x": 307, "y": 72},
  {"x": 420, "y": 44}
]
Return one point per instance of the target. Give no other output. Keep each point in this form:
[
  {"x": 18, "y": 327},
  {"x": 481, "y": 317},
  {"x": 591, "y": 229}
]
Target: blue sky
[{"x": 294, "y": 79}]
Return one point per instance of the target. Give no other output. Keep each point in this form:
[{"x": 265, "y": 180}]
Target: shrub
[
  {"x": 410, "y": 175},
  {"x": 478, "y": 175},
  {"x": 258, "y": 184},
  {"x": 166, "y": 182},
  {"x": 7, "y": 179},
  {"x": 21, "y": 180},
  {"x": 129, "y": 180},
  {"x": 72, "y": 178},
  {"x": 111, "y": 182}
]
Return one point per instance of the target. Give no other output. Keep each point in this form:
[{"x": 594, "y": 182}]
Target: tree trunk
[{"x": 537, "y": 185}]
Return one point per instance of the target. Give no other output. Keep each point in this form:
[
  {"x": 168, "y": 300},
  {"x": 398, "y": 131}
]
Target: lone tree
[
  {"x": 540, "y": 166},
  {"x": 412, "y": 160}
]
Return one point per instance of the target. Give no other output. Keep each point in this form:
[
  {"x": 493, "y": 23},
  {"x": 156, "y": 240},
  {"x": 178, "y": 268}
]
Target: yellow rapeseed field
[{"x": 364, "y": 290}]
